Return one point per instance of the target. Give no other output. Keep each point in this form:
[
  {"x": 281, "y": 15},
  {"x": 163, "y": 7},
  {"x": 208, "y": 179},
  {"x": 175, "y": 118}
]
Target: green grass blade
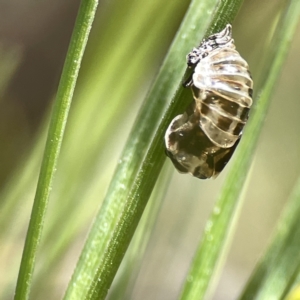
[
  {"x": 80, "y": 213},
  {"x": 56, "y": 129},
  {"x": 277, "y": 270},
  {"x": 142, "y": 159},
  {"x": 214, "y": 241},
  {"x": 131, "y": 264},
  {"x": 101, "y": 125},
  {"x": 89, "y": 165}
]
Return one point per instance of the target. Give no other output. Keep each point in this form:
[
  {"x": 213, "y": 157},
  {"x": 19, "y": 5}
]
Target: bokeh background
[{"x": 126, "y": 49}]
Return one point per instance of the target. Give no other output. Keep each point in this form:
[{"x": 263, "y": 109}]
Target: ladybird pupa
[{"x": 202, "y": 140}]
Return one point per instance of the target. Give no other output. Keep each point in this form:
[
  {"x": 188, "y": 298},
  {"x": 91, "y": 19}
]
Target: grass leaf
[
  {"x": 220, "y": 224},
  {"x": 142, "y": 158},
  {"x": 56, "y": 130}
]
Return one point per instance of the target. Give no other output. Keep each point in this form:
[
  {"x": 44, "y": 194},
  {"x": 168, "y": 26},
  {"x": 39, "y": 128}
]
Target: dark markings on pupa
[{"x": 202, "y": 140}]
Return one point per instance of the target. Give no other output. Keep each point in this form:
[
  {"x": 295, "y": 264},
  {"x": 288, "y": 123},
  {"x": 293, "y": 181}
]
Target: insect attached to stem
[{"x": 202, "y": 140}]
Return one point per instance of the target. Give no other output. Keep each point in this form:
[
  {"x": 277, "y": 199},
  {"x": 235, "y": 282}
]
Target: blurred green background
[{"x": 125, "y": 51}]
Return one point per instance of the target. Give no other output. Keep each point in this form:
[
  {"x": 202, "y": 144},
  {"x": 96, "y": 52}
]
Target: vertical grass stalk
[
  {"x": 220, "y": 224},
  {"x": 142, "y": 158},
  {"x": 53, "y": 144}
]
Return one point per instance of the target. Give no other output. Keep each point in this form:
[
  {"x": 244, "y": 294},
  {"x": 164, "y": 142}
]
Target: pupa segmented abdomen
[{"x": 222, "y": 89}]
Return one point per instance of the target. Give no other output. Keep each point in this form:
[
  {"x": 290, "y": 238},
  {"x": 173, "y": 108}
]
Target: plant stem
[
  {"x": 53, "y": 144},
  {"x": 142, "y": 158}
]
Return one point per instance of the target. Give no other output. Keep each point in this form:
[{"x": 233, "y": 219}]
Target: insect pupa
[{"x": 202, "y": 140}]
